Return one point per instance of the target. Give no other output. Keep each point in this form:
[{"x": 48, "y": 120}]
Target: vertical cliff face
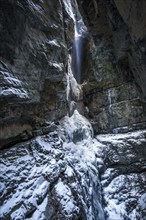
[
  {"x": 133, "y": 15},
  {"x": 69, "y": 71},
  {"x": 33, "y": 54},
  {"x": 114, "y": 95}
]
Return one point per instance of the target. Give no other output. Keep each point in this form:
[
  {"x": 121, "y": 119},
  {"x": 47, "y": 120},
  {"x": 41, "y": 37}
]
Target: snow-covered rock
[
  {"x": 124, "y": 178},
  {"x": 76, "y": 127},
  {"x": 46, "y": 179},
  {"x": 50, "y": 178}
]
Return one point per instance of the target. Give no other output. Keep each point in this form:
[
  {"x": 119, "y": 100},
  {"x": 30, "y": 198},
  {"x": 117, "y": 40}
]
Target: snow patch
[
  {"x": 118, "y": 137},
  {"x": 53, "y": 43},
  {"x": 56, "y": 65},
  {"x": 21, "y": 93},
  {"x": 65, "y": 197}
]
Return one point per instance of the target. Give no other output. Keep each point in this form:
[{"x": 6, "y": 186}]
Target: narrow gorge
[{"x": 73, "y": 110}]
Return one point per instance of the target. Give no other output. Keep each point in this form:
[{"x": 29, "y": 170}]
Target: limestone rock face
[
  {"x": 133, "y": 14},
  {"x": 33, "y": 51},
  {"x": 115, "y": 92}
]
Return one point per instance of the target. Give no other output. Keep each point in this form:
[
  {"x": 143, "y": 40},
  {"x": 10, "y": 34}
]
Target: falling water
[
  {"x": 75, "y": 78},
  {"x": 75, "y": 59},
  {"x": 78, "y": 55},
  {"x": 80, "y": 42}
]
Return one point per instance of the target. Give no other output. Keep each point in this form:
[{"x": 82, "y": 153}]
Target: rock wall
[
  {"x": 34, "y": 55},
  {"x": 115, "y": 92},
  {"x": 35, "y": 42}
]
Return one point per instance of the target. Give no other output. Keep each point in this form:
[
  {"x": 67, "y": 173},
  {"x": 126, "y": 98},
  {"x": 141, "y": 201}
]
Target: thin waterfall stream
[
  {"x": 77, "y": 51},
  {"x": 76, "y": 61},
  {"x": 77, "y": 126}
]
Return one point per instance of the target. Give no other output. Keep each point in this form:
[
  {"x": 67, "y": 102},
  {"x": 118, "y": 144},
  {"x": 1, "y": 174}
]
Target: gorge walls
[
  {"x": 35, "y": 42},
  {"x": 33, "y": 84},
  {"x": 72, "y": 110},
  {"x": 114, "y": 95}
]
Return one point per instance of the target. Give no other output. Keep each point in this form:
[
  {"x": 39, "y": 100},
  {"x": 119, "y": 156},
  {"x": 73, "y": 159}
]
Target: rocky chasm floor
[{"x": 52, "y": 177}]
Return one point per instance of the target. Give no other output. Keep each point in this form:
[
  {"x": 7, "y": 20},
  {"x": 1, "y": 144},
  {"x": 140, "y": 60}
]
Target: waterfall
[
  {"x": 80, "y": 41},
  {"x": 76, "y": 60},
  {"x": 77, "y": 128},
  {"x": 78, "y": 55},
  {"x": 79, "y": 51}
]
